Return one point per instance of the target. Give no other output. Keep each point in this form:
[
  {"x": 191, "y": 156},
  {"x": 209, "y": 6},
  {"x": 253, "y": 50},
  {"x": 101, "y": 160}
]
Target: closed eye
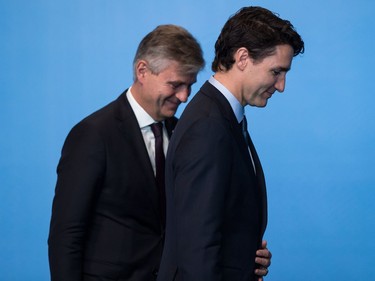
[
  {"x": 175, "y": 86},
  {"x": 279, "y": 70},
  {"x": 179, "y": 86}
]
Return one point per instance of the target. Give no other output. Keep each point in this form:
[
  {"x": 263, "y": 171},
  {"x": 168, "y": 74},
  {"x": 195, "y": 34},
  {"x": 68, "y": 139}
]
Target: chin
[
  {"x": 168, "y": 114},
  {"x": 261, "y": 104},
  {"x": 264, "y": 103}
]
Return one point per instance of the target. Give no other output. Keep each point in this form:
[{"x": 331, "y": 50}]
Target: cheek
[
  {"x": 262, "y": 89},
  {"x": 165, "y": 102},
  {"x": 263, "y": 83},
  {"x": 268, "y": 85}
]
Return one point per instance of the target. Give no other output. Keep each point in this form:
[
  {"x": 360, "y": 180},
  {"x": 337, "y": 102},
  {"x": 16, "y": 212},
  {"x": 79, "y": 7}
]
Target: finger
[
  {"x": 263, "y": 271},
  {"x": 263, "y": 261},
  {"x": 264, "y": 253},
  {"x": 264, "y": 244}
]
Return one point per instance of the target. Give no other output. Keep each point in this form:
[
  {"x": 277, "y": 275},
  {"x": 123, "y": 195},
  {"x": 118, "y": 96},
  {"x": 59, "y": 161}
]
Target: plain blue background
[{"x": 61, "y": 60}]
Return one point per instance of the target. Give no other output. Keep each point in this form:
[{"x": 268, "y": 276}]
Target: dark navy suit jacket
[
  {"x": 216, "y": 204},
  {"x": 106, "y": 221}
]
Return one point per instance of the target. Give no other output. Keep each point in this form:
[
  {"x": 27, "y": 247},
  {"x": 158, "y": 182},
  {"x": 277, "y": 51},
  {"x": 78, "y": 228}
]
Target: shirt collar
[
  {"x": 144, "y": 119},
  {"x": 238, "y": 109}
]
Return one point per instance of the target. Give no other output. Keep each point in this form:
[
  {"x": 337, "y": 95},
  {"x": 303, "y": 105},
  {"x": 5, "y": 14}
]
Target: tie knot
[{"x": 157, "y": 129}]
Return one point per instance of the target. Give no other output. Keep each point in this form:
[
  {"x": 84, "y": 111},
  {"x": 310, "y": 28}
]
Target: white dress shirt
[{"x": 144, "y": 121}]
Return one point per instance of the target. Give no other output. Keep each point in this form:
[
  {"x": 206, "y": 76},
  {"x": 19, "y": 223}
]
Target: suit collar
[
  {"x": 227, "y": 112},
  {"x": 236, "y": 106},
  {"x": 213, "y": 93},
  {"x": 144, "y": 119},
  {"x": 125, "y": 113},
  {"x": 129, "y": 128},
  {"x": 223, "y": 104}
]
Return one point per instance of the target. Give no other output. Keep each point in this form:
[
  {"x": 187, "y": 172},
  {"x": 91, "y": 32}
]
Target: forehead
[
  {"x": 174, "y": 73},
  {"x": 281, "y": 58}
]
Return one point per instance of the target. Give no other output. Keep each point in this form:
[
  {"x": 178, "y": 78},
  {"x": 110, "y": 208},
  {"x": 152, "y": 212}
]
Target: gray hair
[{"x": 170, "y": 43}]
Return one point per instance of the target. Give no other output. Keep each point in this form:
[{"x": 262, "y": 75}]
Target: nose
[
  {"x": 280, "y": 84},
  {"x": 183, "y": 94}
]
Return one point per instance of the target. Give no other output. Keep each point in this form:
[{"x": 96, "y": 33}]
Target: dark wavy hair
[{"x": 259, "y": 31}]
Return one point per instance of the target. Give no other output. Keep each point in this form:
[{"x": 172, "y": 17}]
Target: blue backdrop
[{"x": 61, "y": 60}]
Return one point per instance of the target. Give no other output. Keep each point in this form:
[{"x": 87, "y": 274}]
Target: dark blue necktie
[{"x": 246, "y": 135}]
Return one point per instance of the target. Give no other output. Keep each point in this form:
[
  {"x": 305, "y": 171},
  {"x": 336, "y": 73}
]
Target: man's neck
[{"x": 229, "y": 81}]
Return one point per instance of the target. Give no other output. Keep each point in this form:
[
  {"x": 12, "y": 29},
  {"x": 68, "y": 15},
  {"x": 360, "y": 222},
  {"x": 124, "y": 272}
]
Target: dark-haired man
[{"x": 216, "y": 193}]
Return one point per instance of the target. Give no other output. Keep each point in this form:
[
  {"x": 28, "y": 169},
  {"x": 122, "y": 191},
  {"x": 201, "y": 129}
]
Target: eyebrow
[
  {"x": 175, "y": 83},
  {"x": 286, "y": 69},
  {"x": 179, "y": 82}
]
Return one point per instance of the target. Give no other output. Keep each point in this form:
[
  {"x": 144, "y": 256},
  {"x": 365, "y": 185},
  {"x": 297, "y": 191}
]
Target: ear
[
  {"x": 241, "y": 58},
  {"x": 141, "y": 69}
]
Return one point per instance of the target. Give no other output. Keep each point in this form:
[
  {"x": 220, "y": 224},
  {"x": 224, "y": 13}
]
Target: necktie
[
  {"x": 157, "y": 129},
  {"x": 247, "y": 138}
]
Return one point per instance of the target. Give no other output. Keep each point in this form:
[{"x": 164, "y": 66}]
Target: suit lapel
[
  {"x": 261, "y": 185},
  {"x": 228, "y": 113},
  {"x": 129, "y": 127}
]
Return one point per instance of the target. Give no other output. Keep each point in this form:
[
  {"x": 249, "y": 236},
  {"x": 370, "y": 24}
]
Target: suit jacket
[
  {"x": 216, "y": 204},
  {"x": 106, "y": 221}
]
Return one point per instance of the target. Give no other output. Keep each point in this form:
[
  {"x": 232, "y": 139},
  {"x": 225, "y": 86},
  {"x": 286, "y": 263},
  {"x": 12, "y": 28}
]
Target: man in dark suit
[
  {"x": 108, "y": 211},
  {"x": 216, "y": 193}
]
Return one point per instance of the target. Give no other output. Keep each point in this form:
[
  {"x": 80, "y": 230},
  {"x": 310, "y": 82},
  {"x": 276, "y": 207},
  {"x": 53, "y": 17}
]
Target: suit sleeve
[
  {"x": 80, "y": 172},
  {"x": 201, "y": 166}
]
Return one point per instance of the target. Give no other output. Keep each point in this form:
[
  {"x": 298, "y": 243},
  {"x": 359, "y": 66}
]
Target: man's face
[
  {"x": 263, "y": 78},
  {"x": 164, "y": 92}
]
